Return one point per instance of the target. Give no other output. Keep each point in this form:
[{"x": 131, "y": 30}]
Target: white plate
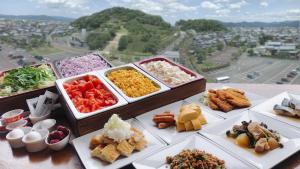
[
  {"x": 158, "y": 160},
  {"x": 81, "y": 145},
  {"x": 162, "y": 87},
  {"x": 170, "y": 134},
  {"x": 266, "y": 108},
  {"x": 77, "y": 114},
  {"x": 290, "y": 137},
  {"x": 254, "y": 99}
]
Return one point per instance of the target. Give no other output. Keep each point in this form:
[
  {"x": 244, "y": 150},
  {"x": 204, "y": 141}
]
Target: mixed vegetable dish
[
  {"x": 25, "y": 79},
  {"x": 89, "y": 94}
]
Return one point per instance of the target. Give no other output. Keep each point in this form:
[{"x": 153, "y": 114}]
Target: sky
[{"x": 170, "y": 10}]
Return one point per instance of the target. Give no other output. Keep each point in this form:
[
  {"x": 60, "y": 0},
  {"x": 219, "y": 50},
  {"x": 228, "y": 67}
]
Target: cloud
[
  {"x": 210, "y": 5},
  {"x": 293, "y": 11},
  {"x": 155, "y": 7},
  {"x": 73, "y": 4},
  {"x": 237, "y": 5},
  {"x": 264, "y": 3},
  {"x": 223, "y": 12}
]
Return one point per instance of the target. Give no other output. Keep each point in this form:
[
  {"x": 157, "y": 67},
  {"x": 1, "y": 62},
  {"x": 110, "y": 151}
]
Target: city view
[{"x": 225, "y": 41}]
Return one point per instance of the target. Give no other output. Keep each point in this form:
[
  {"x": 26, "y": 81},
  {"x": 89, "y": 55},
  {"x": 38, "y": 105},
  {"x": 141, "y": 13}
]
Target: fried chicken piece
[
  {"x": 212, "y": 105},
  {"x": 223, "y": 105},
  {"x": 211, "y": 91},
  {"x": 239, "y": 103},
  {"x": 236, "y": 90},
  {"x": 221, "y": 94},
  {"x": 231, "y": 94}
]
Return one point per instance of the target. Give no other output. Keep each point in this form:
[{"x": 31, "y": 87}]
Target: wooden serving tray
[
  {"x": 18, "y": 101},
  {"x": 92, "y": 123}
]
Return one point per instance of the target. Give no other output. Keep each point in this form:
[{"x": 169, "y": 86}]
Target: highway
[{"x": 270, "y": 70}]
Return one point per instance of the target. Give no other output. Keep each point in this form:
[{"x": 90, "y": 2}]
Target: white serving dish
[
  {"x": 77, "y": 114},
  {"x": 36, "y": 119},
  {"x": 45, "y": 124},
  {"x": 158, "y": 159},
  {"x": 38, "y": 145},
  {"x": 290, "y": 138},
  {"x": 81, "y": 145},
  {"x": 104, "y": 73},
  {"x": 16, "y": 124},
  {"x": 253, "y": 98},
  {"x": 59, "y": 145},
  {"x": 170, "y": 134},
  {"x": 16, "y": 142},
  {"x": 266, "y": 108}
]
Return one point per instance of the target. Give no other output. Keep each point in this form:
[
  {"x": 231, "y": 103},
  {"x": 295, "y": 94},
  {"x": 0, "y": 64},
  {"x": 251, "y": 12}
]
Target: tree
[
  {"x": 251, "y": 52},
  {"x": 98, "y": 40},
  {"x": 220, "y": 46},
  {"x": 200, "y": 55},
  {"x": 123, "y": 43}
]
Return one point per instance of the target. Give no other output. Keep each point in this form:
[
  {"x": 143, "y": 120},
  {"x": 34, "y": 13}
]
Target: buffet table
[{"x": 68, "y": 159}]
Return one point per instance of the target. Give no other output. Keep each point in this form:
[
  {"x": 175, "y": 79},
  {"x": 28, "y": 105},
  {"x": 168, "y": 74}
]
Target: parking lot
[{"x": 261, "y": 70}]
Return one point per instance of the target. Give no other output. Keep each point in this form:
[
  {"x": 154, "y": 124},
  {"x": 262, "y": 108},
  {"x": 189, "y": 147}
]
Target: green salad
[{"x": 25, "y": 79}]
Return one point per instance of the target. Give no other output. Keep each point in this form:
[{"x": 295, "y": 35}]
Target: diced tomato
[
  {"x": 88, "y": 78},
  {"x": 89, "y": 94}
]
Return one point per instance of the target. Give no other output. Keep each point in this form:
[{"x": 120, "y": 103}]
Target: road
[{"x": 270, "y": 70}]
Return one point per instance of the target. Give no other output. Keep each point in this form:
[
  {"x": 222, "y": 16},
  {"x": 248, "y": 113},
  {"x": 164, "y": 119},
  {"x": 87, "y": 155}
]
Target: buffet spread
[{"x": 153, "y": 113}]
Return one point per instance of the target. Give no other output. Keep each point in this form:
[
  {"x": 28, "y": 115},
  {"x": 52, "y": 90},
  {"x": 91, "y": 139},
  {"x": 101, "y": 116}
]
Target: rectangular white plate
[
  {"x": 170, "y": 134},
  {"x": 81, "y": 145},
  {"x": 254, "y": 99},
  {"x": 77, "y": 114},
  {"x": 158, "y": 160},
  {"x": 290, "y": 137},
  {"x": 163, "y": 87},
  {"x": 266, "y": 108}
]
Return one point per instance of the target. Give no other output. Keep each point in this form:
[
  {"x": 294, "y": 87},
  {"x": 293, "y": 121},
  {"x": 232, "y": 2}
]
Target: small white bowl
[
  {"x": 16, "y": 142},
  {"x": 12, "y": 116},
  {"x": 59, "y": 145},
  {"x": 17, "y": 124},
  {"x": 36, "y": 145},
  {"x": 35, "y": 119},
  {"x": 48, "y": 124}
]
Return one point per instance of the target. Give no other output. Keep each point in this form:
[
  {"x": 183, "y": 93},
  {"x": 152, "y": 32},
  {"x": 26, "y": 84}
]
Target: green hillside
[
  {"x": 201, "y": 25},
  {"x": 144, "y": 33}
]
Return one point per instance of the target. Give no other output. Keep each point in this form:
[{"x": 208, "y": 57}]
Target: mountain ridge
[{"x": 38, "y": 17}]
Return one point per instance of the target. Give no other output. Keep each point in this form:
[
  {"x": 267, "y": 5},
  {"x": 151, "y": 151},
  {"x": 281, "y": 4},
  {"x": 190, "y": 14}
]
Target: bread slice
[
  {"x": 179, "y": 126},
  {"x": 109, "y": 153},
  {"x": 140, "y": 145},
  {"x": 125, "y": 148},
  {"x": 196, "y": 123},
  {"x": 188, "y": 126},
  {"x": 202, "y": 119},
  {"x": 96, "y": 152}
]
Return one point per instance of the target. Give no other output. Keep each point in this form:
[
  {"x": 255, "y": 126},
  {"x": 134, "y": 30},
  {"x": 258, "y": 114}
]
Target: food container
[
  {"x": 59, "y": 145},
  {"x": 15, "y": 141},
  {"x": 37, "y": 144},
  {"x": 17, "y": 124},
  {"x": 12, "y": 116},
  {"x": 162, "y": 58},
  {"x": 18, "y": 100},
  {"x": 162, "y": 87},
  {"x": 58, "y": 66},
  {"x": 45, "y": 124},
  {"x": 2, "y": 127},
  {"x": 78, "y": 115},
  {"x": 35, "y": 119}
]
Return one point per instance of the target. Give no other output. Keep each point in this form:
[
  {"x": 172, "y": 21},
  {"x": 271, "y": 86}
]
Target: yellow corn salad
[{"x": 132, "y": 82}]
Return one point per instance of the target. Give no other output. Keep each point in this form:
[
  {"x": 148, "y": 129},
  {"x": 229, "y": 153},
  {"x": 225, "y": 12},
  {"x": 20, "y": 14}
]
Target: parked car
[{"x": 285, "y": 79}]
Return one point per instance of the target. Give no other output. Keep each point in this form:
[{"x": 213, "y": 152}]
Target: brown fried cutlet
[
  {"x": 221, "y": 94},
  {"x": 231, "y": 94},
  {"x": 239, "y": 103},
  {"x": 223, "y": 105}
]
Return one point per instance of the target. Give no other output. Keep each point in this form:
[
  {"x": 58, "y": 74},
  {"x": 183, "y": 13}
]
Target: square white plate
[
  {"x": 81, "y": 145},
  {"x": 254, "y": 99},
  {"x": 162, "y": 87},
  {"x": 170, "y": 134},
  {"x": 290, "y": 138},
  {"x": 266, "y": 108},
  {"x": 158, "y": 160}
]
